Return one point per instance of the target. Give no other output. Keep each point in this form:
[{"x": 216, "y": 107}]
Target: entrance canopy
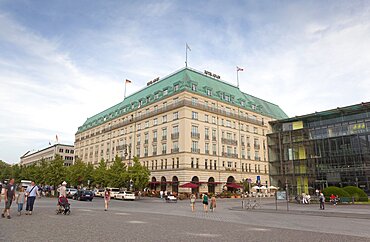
[
  {"x": 189, "y": 185},
  {"x": 234, "y": 185}
]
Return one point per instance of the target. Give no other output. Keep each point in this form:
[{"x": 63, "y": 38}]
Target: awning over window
[{"x": 234, "y": 185}]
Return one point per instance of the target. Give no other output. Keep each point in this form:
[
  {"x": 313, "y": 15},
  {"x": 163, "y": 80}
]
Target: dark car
[{"x": 83, "y": 195}]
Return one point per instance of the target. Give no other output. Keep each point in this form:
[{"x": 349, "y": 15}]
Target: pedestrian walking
[
  {"x": 106, "y": 199},
  {"x": 62, "y": 190},
  {"x": 192, "y": 202},
  {"x": 9, "y": 198},
  {"x": 205, "y": 202},
  {"x": 322, "y": 201},
  {"x": 31, "y": 193},
  {"x": 213, "y": 203},
  {"x": 21, "y": 198}
]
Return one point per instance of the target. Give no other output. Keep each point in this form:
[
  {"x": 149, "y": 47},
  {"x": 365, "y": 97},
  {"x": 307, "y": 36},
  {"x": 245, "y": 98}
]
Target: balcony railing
[
  {"x": 230, "y": 155},
  {"x": 229, "y": 141},
  {"x": 195, "y": 135},
  {"x": 164, "y": 138},
  {"x": 193, "y": 150},
  {"x": 175, "y": 150},
  {"x": 175, "y": 135}
]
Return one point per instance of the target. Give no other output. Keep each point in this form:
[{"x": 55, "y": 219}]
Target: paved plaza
[{"x": 151, "y": 219}]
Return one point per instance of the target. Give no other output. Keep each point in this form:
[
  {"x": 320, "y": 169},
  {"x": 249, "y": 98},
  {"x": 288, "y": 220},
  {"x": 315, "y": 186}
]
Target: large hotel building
[{"x": 187, "y": 127}]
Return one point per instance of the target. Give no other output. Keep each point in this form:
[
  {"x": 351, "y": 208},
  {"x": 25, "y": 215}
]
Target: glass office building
[{"x": 329, "y": 148}]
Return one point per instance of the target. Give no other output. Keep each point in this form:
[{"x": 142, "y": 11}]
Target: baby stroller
[{"x": 63, "y": 206}]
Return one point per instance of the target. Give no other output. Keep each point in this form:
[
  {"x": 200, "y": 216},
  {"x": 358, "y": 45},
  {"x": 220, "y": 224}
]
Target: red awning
[
  {"x": 154, "y": 183},
  {"x": 234, "y": 185},
  {"x": 189, "y": 185},
  {"x": 214, "y": 183}
]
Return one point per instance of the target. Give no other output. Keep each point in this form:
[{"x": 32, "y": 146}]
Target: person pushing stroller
[{"x": 63, "y": 204}]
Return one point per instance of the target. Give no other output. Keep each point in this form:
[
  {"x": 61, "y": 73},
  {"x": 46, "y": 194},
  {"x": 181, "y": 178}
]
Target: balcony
[
  {"x": 154, "y": 140},
  {"x": 175, "y": 135},
  {"x": 164, "y": 138},
  {"x": 229, "y": 141},
  {"x": 206, "y": 137},
  {"x": 230, "y": 155},
  {"x": 175, "y": 150},
  {"x": 193, "y": 150},
  {"x": 195, "y": 135}
]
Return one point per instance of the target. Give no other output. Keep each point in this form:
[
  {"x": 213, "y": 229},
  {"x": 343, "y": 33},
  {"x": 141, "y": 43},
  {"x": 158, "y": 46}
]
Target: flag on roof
[
  {"x": 128, "y": 81},
  {"x": 239, "y": 69},
  {"x": 187, "y": 47}
]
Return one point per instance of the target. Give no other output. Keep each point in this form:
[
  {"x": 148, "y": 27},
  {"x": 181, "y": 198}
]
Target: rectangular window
[
  {"x": 194, "y": 87},
  {"x": 209, "y": 92},
  {"x": 165, "y": 92},
  {"x": 194, "y": 115},
  {"x": 194, "y": 101},
  {"x": 206, "y": 118},
  {"x": 155, "y": 122},
  {"x": 175, "y": 115},
  {"x": 176, "y": 87},
  {"x": 164, "y": 119}
]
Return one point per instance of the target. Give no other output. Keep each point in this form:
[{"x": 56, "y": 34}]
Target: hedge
[
  {"x": 357, "y": 193},
  {"x": 336, "y": 191}
]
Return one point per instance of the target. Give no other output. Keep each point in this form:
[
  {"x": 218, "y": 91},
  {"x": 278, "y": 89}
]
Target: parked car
[
  {"x": 70, "y": 192},
  {"x": 83, "y": 195},
  {"x": 125, "y": 196},
  {"x": 113, "y": 191},
  {"x": 171, "y": 198},
  {"x": 99, "y": 193}
]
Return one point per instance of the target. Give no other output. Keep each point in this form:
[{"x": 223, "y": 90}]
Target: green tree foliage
[
  {"x": 77, "y": 174},
  {"x": 56, "y": 171},
  {"x": 357, "y": 193},
  {"x": 100, "y": 174},
  {"x": 138, "y": 174},
  {"x": 117, "y": 174}
]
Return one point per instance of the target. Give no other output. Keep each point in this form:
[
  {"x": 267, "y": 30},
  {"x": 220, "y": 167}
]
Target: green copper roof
[{"x": 184, "y": 79}]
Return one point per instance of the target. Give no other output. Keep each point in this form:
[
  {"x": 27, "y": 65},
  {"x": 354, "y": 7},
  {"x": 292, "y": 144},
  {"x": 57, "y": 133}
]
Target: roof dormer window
[{"x": 194, "y": 87}]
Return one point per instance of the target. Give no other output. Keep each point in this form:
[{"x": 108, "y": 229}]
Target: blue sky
[{"x": 64, "y": 61}]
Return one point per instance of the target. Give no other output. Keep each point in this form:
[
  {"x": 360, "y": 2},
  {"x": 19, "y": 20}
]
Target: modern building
[
  {"x": 321, "y": 149},
  {"x": 187, "y": 127},
  {"x": 66, "y": 152}
]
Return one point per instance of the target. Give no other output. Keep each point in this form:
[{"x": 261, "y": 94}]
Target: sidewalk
[{"x": 343, "y": 211}]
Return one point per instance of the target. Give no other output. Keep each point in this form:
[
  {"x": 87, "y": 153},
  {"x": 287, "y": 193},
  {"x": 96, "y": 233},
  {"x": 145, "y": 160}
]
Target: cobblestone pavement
[{"x": 151, "y": 219}]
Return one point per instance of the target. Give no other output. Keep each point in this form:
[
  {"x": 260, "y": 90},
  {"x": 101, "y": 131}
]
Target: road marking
[
  {"x": 122, "y": 213},
  {"x": 259, "y": 229},
  {"x": 85, "y": 210},
  {"x": 136, "y": 222},
  {"x": 204, "y": 235}
]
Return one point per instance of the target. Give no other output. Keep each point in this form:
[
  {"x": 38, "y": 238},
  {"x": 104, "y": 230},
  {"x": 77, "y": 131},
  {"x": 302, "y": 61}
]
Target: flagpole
[
  {"x": 186, "y": 55},
  {"x": 237, "y": 78},
  {"x": 124, "y": 96}
]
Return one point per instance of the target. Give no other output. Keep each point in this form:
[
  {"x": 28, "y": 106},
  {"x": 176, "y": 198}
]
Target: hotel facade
[
  {"x": 187, "y": 127},
  {"x": 66, "y": 153}
]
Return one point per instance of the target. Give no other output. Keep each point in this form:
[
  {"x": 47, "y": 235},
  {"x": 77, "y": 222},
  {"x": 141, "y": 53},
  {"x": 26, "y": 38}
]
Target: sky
[{"x": 64, "y": 61}]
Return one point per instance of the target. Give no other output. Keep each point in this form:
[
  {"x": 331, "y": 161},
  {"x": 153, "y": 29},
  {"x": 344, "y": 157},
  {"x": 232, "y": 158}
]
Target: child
[{"x": 20, "y": 200}]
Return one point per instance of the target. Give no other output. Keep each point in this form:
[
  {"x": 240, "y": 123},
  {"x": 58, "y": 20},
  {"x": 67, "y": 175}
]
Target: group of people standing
[
  {"x": 27, "y": 196},
  {"x": 205, "y": 201}
]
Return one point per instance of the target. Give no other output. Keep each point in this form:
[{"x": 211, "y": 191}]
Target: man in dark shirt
[{"x": 9, "y": 198}]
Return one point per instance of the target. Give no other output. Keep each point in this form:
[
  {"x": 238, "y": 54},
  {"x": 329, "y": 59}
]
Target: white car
[
  {"x": 113, "y": 192},
  {"x": 70, "y": 192},
  {"x": 125, "y": 196},
  {"x": 99, "y": 193}
]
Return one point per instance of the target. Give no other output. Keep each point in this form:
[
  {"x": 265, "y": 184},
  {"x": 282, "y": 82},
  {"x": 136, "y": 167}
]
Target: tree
[
  {"x": 139, "y": 175},
  {"x": 76, "y": 174},
  {"x": 56, "y": 171},
  {"x": 117, "y": 175},
  {"x": 100, "y": 174}
]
